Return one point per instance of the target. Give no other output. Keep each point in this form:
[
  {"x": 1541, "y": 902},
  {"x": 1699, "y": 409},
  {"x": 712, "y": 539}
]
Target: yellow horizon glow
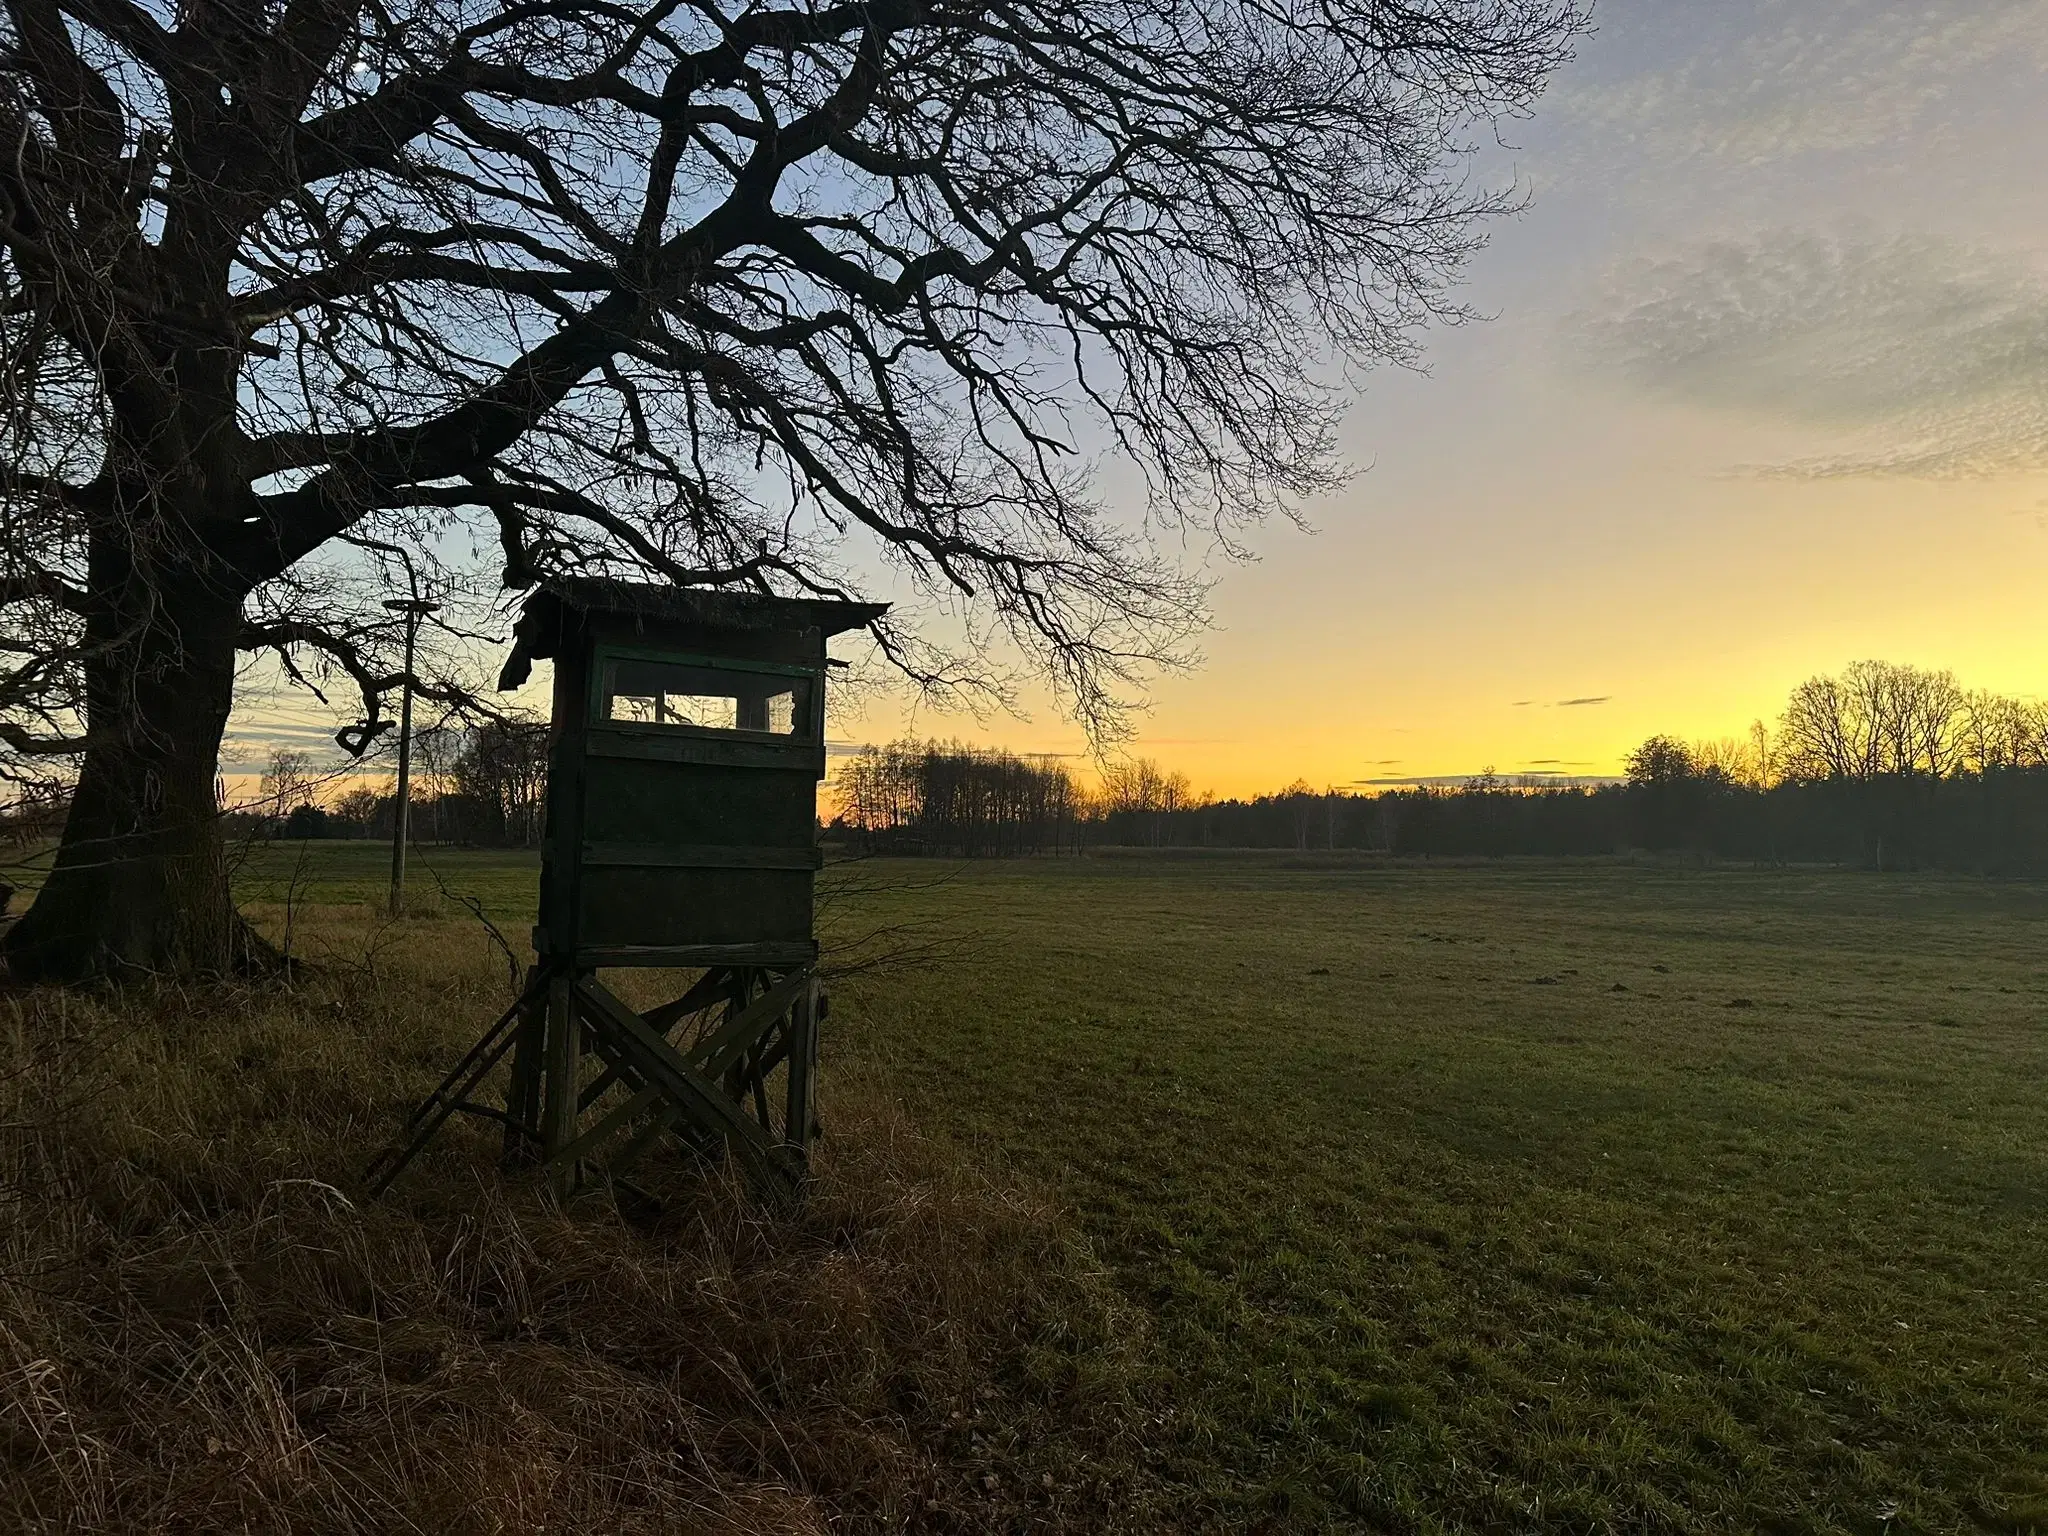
[
  {"x": 1693, "y": 635},
  {"x": 1777, "y": 235}
]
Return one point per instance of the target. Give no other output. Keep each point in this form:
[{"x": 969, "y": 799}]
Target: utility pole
[{"x": 414, "y": 610}]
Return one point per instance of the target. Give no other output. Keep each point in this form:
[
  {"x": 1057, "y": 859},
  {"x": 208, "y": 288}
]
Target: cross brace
[{"x": 712, "y": 1091}]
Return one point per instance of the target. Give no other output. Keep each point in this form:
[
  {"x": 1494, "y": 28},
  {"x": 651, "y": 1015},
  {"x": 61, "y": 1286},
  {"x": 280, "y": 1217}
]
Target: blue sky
[{"x": 1762, "y": 388}]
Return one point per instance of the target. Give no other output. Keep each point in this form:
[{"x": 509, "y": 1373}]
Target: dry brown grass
[{"x": 203, "y": 1326}]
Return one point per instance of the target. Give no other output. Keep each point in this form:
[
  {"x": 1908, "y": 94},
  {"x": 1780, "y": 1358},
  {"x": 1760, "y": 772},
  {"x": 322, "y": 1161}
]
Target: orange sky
[{"x": 1763, "y": 390}]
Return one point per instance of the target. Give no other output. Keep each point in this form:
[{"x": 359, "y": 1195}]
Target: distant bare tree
[
  {"x": 1139, "y": 789},
  {"x": 723, "y": 293},
  {"x": 358, "y": 807},
  {"x": 1139, "y": 784},
  {"x": 1925, "y": 722},
  {"x": 502, "y": 765},
  {"x": 1999, "y": 732},
  {"x": 1762, "y": 763},
  {"x": 938, "y": 796},
  {"x": 1876, "y": 719},
  {"x": 435, "y": 750},
  {"x": 287, "y": 782},
  {"x": 1664, "y": 760}
]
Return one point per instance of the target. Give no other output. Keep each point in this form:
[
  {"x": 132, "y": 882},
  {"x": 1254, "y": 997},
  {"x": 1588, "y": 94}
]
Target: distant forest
[
  {"x": 1884, "y": 766},
  {"x": 1881, "y": 766}
]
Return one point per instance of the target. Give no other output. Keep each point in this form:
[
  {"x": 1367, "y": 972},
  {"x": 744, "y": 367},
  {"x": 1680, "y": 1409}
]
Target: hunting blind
[{"x": 687, "y": 743}]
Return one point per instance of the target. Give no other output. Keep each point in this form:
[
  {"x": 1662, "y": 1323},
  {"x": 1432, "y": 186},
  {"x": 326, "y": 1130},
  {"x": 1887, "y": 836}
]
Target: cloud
[
  {"x": 1766, "y": 81},
  {"x": 1574, "y": 703},
  {"x": 251, "y": 742},
  {"x": 1919, "y": 356},
  {"x": 1459, "y": 780}
]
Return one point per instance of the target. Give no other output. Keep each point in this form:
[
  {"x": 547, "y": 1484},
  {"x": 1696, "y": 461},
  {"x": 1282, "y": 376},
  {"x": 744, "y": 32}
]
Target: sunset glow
[
  {"x": 1762, "y": 393},
  {"x": 1761, "y": 388}
]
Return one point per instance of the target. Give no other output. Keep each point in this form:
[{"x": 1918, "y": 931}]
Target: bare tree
[
  {"x": 1876, "y": 720},
  {"x": 358, "y": 808},
  {"x": 292, "y": 294},
  {"x": 1667, "y": 760},
  {"x": 287, "y": 782},
  {"x": 1762, "y": 759},
  {"x": 2000, "y": 732},
  {"x": 503, "y": 766}
]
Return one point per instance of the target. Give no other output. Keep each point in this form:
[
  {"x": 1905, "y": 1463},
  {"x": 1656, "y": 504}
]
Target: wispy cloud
[
  {"x": 1550, "y": 776},
  {"x": 1922, "y": 357},
  {"x": 1600, "y": 698},
  {"x": 1767, "y": 81}
]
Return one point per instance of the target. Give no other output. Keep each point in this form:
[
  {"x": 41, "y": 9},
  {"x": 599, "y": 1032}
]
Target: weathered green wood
[
  {"x": 705, "y": 992},
  {"x": 615, "y": 1119},
  {"x": 800, "y": 1035},
  {"x": 663, "y": 1067},
  {"x": 669, "y": 844},
  {"x": 563, "y": 1052},
  {"x": 561, "y": 871},
  {"x": 799, "y": 639},
  {"x": 798, "y": 663},
  {"x": 522, "y": 1093},
  {"x": 758, "y": 1076},
  {"x": 713, "y": 987},
  {"x": 641, "y": 801},
  {"x": 652, "y": 1056},
  {"x": 775, "y": 1049},
  {"x": 779, "y": 955},
  {"x": 718, "y": 1051},
  {"x": 665, "y": 1118},
  {"x": 679, "y": 748},
  {"x": 625, "y": 905}
]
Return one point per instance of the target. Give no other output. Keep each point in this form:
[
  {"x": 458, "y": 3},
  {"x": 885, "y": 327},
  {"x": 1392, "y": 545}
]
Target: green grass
[
  {"x": 1500, "y": 1198},
  {"x": 504, "y": 882}
]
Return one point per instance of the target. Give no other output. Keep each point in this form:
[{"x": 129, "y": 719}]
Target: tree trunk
[{"x": 140, "y": 885}]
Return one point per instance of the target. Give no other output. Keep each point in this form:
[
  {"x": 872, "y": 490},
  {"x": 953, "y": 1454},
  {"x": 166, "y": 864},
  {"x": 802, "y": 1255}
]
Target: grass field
[
  {"x": 1534, "y": 1198},
  {"x": 1485, "y": 1198}
]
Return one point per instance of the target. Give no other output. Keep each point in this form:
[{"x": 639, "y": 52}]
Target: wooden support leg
[
  {"x": 522, "y": 1094},
  {"x": 695, "y": 1091},
  {"x": 750, "y": 982},
  {"x": 562, "y": 1049},
  {"x": 800, "y": 1117},
  {"x": 757, "y": 1074}
]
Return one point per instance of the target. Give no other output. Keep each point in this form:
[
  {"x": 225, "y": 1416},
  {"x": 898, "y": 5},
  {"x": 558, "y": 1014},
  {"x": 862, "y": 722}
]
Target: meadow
[{"x": 1204, "y": 1192}]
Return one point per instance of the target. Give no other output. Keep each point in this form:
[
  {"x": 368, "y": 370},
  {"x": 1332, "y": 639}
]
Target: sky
[{"x": 1762, "y": 389}]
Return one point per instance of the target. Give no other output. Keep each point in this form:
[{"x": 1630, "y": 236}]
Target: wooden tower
[{"x": 688, "y": 740}]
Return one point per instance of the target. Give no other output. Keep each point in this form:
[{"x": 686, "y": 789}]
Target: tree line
[
  {"x": 1882, "y": 765},
  {"x": 948, "y": 798},
  {"x": 483, "y": 785}
]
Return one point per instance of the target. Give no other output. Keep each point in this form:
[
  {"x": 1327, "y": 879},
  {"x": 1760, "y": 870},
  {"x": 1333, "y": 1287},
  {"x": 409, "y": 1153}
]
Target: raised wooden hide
[{"x": 682, "y": 781}]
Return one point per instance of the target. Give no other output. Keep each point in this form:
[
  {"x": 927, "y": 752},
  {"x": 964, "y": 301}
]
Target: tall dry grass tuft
[{"x": 204, "y": 1327}]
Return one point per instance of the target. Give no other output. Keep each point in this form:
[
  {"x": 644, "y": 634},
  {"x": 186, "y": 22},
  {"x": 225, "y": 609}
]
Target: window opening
[{"x": 686, "y": 697}]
